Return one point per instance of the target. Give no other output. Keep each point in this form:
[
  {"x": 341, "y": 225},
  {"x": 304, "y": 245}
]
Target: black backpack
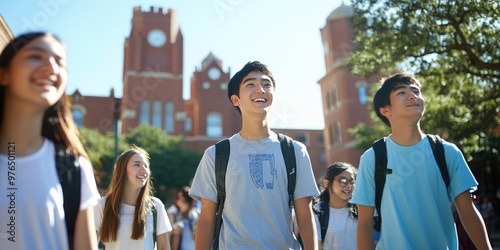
[
  {"x": 381, "y": 169},
  {"x": 69, "y": 172},
  {"x": 222, "y": 150}
]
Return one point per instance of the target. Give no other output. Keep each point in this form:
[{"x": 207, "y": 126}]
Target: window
[
  {"x": 338, "y": 133},
  {"x": 328, "y": 103},
  {"x": 156, "y": 114},
  {"x": 144, "y": 115},
  {"x": 330, "y": 135},
  {"x": 169, "y": 117},
  {"x": 188, "y": 124},
  {"x": 302, "y": 137},
  {"x": 335, "y": 99},
  {"x": 362, "y": 94},
  {"x": 214, "y": 125},
  {"x": 321, "y": 139},
  {"x": 78, "y": 117}
]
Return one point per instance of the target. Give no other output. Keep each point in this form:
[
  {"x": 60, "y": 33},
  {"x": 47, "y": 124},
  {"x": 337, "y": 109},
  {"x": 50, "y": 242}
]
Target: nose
[
  {"x": 52, "y": 66},
  {"x": 260, "y": 88}
]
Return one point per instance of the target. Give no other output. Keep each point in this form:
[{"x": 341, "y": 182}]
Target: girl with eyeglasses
[{"x": 337, "y": 222}]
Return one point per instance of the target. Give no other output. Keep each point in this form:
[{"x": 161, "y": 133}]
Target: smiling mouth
[{"x": 261, "y": 100}]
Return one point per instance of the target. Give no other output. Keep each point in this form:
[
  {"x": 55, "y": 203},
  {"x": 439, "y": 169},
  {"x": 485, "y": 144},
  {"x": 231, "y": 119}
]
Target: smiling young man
[
  {"x": 256, "y": 211},
  {"x": 415, "y": 203}
]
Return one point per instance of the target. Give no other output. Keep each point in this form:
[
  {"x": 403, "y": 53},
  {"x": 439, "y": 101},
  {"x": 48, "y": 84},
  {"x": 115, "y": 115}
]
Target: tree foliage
[
  {"x": 453, "y": 48},
  {"x": 172, "y": 165}
]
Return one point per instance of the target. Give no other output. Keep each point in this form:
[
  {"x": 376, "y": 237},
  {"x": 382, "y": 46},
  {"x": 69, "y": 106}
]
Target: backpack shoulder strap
[
  {"x": 68, "y": 170},
  {"x": 222, "y": 150},
  {"x": 438, "y": 151},
  {"x": 380, "y": 151},
  {"x": 289, "y": 155},
  {"x": 324, "y": 218},
  {"x": 155, "y": 216}
]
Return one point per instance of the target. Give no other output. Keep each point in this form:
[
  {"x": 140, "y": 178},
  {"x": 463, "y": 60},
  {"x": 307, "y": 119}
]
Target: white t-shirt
[
  {"x": 123, "y": 240},
  {"x": 341, "y": 232},
  {"x": 31, "y": 200}
]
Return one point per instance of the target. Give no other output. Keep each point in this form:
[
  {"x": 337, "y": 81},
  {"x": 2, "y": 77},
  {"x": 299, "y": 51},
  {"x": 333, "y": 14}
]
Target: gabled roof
[
  {"x": 209, "y": 59},
  {"x": 343, "y": 11}
]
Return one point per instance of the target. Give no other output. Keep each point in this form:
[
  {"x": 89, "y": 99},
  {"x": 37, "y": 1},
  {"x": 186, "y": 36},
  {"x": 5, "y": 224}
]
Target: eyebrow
[
  {"x": 255, "y": 79},
  {"x": 36, "y": 48},
  {"x": 405, "y": 86}
]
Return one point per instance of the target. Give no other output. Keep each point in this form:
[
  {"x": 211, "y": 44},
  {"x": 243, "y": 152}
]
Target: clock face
[
  {"x": 157, "y": 38},
  {"x": 213, "y": 74}
]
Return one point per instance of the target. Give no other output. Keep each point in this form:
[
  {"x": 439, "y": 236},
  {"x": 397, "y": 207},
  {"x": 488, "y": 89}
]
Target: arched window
[
  {"x": 144, "y": 115},
  {"x": 78, "y": 117},
  {"x": 169, "y": 117},
  {"x": 156, "y": 114},
  {"x": 214, "y": 125}
]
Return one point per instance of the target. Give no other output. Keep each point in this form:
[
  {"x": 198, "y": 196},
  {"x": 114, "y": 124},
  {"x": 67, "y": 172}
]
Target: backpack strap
[
  {"x": 380, "y": 172},
  {"x": 289, "y": 156},
  {"x": 222, "y": 150},
  {"x": 68, "y": 170},
  {"x": 155, "y": 215},
  {"x": 438, "y": 151},
  {"x": 324, "y": 218}
]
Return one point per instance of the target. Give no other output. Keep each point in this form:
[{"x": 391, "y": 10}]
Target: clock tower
[{"x": 152, "y": 72}]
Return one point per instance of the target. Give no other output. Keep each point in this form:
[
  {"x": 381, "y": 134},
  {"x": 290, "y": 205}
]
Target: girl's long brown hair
[
  {"x": 111, "y": 218},
  {"x": 58, "y": 124}
]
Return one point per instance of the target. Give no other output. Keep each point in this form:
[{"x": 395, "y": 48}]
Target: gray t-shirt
[{"x": 256, "y": 211}]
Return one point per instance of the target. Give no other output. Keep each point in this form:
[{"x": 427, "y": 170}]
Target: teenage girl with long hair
[
  {"x": 124, "y": 218},
  {"x": 35, "y": 115},
  {"x": 338, "y": 184}
]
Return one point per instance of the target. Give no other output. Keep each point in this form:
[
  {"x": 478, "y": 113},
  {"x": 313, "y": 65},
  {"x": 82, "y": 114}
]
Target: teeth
[{"x": 259, "y": 100}]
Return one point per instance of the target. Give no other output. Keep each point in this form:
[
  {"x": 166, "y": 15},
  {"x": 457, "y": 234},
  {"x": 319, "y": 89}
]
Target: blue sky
[{"x": 283, "y": 34}]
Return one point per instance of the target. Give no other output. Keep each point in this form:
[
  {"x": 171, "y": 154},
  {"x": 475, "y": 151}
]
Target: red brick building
[
  {"x": 344, "y": 96},
  {"x": 152, "y": 91}
]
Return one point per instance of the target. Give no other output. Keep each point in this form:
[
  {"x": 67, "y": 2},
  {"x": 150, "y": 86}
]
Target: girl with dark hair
[
  {"x": 35, "y": 120},
  {"x": 338, "y": 184},
  {"x": 124, "y": 219},
  {"x": 184, "y": 216}
]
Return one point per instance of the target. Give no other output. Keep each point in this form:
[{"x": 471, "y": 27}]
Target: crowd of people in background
[{"x": 50, "y": 200}]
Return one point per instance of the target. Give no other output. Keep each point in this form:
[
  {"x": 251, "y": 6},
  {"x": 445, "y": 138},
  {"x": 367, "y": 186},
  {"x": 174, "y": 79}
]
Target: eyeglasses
[{"x": 344, "y": 182}]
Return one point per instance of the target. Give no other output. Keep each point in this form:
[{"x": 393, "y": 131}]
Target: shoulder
[{"x": 157, "y": 202}]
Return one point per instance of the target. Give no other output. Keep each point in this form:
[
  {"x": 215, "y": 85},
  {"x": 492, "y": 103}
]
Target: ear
[
  {"x": 325, "y": 183},
  {"x": 235, "y": 100},
  {"x": 385, "y": 111}
]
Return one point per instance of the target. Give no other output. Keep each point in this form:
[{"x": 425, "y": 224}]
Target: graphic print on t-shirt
[{"x": 262, "y": 170}]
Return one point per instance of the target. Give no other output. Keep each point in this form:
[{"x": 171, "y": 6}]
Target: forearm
[
  {"x": 204, "y": 234},
  {"x": 85, "y": 236},
  {"x": 307, "y": 231},
  {"x": 474, "y": 225},
  {"x": 365, "y": 238}
]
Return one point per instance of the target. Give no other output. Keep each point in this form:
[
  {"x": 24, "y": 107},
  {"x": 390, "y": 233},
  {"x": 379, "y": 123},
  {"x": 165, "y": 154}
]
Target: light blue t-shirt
[
  {"x": 416, "y": 210},
  {"x": 256, "y": 211}
]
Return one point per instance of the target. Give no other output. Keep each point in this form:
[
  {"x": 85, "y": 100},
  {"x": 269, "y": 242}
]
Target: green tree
[
  {"x": 453, "y": 49},
  {"x": 100, "y": 149}
]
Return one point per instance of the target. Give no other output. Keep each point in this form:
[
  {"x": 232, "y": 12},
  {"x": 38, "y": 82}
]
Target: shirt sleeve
[
  {"x": 163, "y": 224},
  {"x": 89, "y": 194},
  {"x": 364, "y": 192},
  {"x": 306, "y": 184},
  {"x": 204, "y": 180}
]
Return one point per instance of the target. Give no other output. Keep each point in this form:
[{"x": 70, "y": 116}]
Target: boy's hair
[
  {"x": 389, "y": 84},
  {"x": 233, "y": 87}
]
